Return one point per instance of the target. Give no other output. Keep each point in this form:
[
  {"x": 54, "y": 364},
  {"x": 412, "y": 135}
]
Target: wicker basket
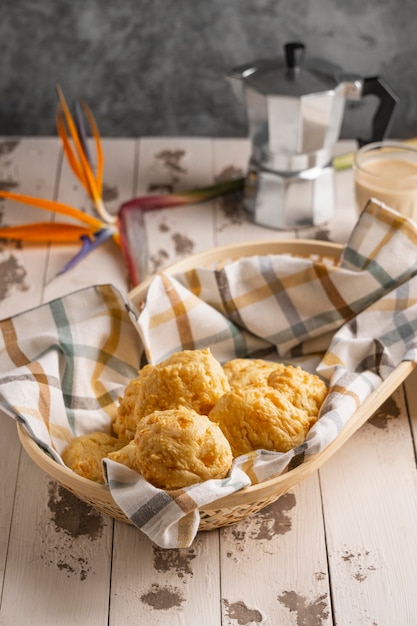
[{"x": 230, "y": 509}]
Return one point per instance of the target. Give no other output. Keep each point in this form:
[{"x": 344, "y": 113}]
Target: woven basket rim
[{"x": 300, "y": 247}]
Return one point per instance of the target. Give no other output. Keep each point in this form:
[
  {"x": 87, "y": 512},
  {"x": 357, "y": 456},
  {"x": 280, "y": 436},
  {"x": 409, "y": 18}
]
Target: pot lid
[{"x": 288, "y": 76}]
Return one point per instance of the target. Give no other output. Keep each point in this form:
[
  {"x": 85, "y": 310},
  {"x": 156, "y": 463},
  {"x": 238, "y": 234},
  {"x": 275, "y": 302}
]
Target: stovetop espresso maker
[{"x": 295, "y": 112}]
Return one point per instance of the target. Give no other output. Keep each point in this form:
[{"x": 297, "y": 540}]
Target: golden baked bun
[
  {"x": 126, "y": 455},
  {"x": 162, "y": 427},
  {"x": 191, "y": 378},
  {"x": 84, "y": 454},
  {"x": 304, "y": 390},
  {"x": 257, "y": 418},
  {"x": 176, "y": 448},
  {"x": 250, "y": 372},
  {"x": 125, "y": 422}
]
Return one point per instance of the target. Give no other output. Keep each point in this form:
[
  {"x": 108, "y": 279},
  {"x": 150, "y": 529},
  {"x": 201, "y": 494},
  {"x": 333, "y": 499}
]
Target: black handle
[
  {"x": 294, "y": 53},
  {"x": 376, "y": 86}
]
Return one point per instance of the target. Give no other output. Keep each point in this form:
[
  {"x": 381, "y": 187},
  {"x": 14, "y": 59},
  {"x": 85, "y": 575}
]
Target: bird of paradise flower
[{"x": 126, "y": 228}]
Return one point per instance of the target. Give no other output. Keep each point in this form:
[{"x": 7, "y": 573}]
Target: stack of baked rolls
[{"x": 184, "y": 420}]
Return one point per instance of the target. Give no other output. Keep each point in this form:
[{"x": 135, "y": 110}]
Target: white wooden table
[{"x": 340, "y": 548}]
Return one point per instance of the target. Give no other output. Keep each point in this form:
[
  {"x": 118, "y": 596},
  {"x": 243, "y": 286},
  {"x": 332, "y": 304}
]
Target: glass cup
[{"x": 387, "y": 171}]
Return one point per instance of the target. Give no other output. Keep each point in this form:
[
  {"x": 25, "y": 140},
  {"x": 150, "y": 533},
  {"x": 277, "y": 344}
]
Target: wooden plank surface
[
  {"x": 9, "y": 463},
  {"x": 59, "y": 556},
  {"x": 160, "y": 587},
  {"x": 175, "y": 165},
  {"x": 27, "y": 166},
  {"x": 282, "y": 571},
  {"x": 370, "y": 512},
  {"x": 337, "y": 549}
]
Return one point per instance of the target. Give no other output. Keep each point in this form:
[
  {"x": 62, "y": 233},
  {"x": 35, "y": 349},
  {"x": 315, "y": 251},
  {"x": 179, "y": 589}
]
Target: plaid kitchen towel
[{"x": 64, "y": 364}]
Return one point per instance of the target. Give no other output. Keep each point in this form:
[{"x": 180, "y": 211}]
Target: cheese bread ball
[
  {"x": 250, "y": 372},
  {"x": 191, "y": 378},
  {"x": 125, "y": 422},
  {"x": 306, "y": 391},
  {"x": 84, "y": 454},
  {"x": 127, "y": 456},
  {"x": 176, "y": 448},
  {"x": 260, "y": 418}
]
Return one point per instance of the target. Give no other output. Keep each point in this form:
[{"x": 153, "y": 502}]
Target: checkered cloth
[{"x": 64, "y": 364}]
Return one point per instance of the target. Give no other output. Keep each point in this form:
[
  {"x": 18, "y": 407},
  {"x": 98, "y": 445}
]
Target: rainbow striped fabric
[{"x": 64, "y": 364}]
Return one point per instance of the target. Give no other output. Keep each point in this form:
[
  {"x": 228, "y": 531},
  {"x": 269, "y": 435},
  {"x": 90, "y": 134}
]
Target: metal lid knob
[{"x": 294, "y": 55}]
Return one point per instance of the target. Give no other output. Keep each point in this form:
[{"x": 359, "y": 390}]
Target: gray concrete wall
[{"x": 156, "y": 67}]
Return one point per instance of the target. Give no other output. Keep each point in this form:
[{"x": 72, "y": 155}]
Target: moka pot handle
[{"x": 388, "y": 99}]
